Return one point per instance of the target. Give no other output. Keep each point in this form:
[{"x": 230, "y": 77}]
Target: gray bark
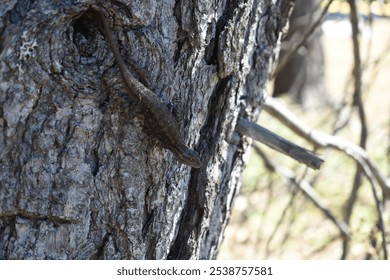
[{"x": 81, "y": 177}]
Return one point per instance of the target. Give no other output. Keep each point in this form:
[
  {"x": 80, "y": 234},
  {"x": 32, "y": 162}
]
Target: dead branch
[
  {"x": 357, "y": 98},
  {"x": 321, "y": 139},
  {"x": 357, "y": 101},
  {"x": 279, "y": 144}
]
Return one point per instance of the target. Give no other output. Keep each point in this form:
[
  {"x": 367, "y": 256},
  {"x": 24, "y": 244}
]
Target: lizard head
[{"x": 189, "y": 157}]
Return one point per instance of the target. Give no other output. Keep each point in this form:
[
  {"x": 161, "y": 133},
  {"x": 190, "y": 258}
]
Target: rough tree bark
[{"x": 81, "y": 175}]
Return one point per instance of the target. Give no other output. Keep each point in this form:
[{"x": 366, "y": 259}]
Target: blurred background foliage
[{"x": 272, "y": 218}]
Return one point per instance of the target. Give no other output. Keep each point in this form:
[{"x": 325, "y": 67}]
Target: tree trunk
[
  {"x": 303, "y": 77},
  {"x": 82, "y": 174}
]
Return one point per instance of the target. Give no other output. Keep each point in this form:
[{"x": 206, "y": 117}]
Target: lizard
[{"x": 160, "y": 119}]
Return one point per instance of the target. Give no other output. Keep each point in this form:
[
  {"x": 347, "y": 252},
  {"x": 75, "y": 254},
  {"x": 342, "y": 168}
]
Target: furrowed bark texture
[{"x": 81, "y": 176}]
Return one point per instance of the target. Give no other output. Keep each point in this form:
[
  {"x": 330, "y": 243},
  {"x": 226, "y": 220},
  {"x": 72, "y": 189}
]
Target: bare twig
[
  {"x": 370, "y": 21},
  {"x": 321, "y": 139},
  {"x": 279, "y": 144},
  {"x": 357, "y": 98},
  {"x": 357, "y": 101},
  {"x": 282, "y": 217},
  {"x": 281, "y": 64},
  {"x": 303, "y": 185},
  {"x": 326, "y": 244}
]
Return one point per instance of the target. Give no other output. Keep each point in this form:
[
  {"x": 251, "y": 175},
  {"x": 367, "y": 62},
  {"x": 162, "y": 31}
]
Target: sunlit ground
[{"x": 272, "y": 220}]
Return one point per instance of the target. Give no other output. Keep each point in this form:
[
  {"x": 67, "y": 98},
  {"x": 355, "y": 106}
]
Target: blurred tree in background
[{"x": 303, "y": 75}]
